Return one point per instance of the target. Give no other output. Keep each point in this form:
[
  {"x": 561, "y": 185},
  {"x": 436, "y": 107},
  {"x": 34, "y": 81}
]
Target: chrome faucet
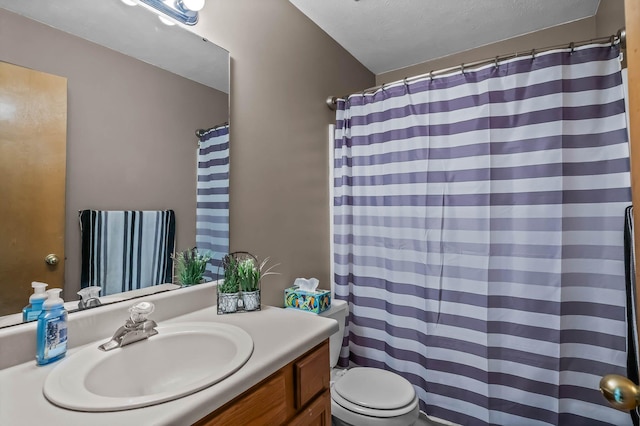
[
  {"x": 137, "y": 327},
  {"x": 89, "y": 297},
  {"x": 91, "y": 302}
]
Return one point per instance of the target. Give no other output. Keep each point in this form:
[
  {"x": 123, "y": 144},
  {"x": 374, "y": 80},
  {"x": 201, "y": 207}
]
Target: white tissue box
[{"x": 312, "y": 301}]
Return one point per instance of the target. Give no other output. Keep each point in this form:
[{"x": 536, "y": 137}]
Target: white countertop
[{"x": 279, "y": 337}]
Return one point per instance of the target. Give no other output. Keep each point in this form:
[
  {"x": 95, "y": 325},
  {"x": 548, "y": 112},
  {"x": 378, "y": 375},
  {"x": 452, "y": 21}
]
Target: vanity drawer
[{"x": 312, "y": 375}]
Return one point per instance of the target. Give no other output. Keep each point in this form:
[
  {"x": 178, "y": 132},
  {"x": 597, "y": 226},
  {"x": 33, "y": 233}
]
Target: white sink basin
[{"x": 181, "y": 359}]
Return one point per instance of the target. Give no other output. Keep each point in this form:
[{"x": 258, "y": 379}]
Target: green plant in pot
[
  {"x": 190, "y": 266},
  {"x": 249, "y": 275},
  {"x": 229, "y": 289},
  {"x": 242, "y": 274},
  {"x": 231, "y": 281}
]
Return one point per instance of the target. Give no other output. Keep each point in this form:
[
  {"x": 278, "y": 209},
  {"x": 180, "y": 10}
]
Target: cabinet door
[
  {"x": 312, "y": 375},
  {"x": 263, "y": 405},
  {"x": 318, "y": 413}
]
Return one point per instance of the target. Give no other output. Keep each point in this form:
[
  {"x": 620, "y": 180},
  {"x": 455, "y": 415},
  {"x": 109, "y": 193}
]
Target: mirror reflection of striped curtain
[
  {"x": 478, "y": 231},
  {"x": 212, "y": 214},
  {"x": 127, "y": 249}
]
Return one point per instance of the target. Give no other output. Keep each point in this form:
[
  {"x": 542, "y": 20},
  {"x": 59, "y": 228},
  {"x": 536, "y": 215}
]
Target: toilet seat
[{"x": 374, "y": 392}]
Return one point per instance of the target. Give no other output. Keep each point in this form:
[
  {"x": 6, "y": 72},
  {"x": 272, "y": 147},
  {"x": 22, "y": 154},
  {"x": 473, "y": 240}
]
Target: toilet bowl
[{"x": 364, "y": 396}]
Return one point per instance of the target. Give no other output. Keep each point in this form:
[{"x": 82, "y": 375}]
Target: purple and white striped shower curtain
[
  {"x": 212, "y": 209},
  {"x": 478, "y": 237}
]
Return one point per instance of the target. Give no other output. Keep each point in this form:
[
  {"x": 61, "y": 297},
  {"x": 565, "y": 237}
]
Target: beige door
[
  {"x": 621, "y": 392},
  {"x": 632, "y": 27},
  {"x": 33, "y": 139}
]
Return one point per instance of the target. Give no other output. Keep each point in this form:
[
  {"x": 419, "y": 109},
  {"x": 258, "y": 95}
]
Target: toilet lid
[{"x": 375, "y": 388}]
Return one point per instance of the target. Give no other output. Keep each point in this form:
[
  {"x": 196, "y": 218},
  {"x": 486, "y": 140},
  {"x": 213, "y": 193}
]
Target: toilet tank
[{"x": 338, "y": 311}]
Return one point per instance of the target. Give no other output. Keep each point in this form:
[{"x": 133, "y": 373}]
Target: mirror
[{"x": 137, "y": 90}]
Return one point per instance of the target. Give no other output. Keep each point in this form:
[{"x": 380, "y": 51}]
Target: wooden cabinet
[
  {"x": 312, "y": 375},
  {"x": 318, "y": 413},
  {"x": 297, "y": 394}
]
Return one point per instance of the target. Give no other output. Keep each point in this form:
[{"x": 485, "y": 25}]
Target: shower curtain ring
[
  {"x": 612, "y": 39},
  {"x": 572, "y": 46},
  {"x": 533, "y": 54},
  {"x": 495, "y": 62},
  {"x": 462, "y": 68},
  {"x": 431, "y": 75},
  {"x": 406, "y": 85}
]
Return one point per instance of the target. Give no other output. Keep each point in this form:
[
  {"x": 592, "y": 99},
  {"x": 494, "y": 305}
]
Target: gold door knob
[
  {"x": 621, "y": 392},
  {"x": 51, "y": 259}
]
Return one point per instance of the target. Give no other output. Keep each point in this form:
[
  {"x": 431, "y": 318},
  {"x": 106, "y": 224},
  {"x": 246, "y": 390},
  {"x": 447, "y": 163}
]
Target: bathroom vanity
[
  {"x": 297, "y": 394},
  {"x": 285, "y": 381}
]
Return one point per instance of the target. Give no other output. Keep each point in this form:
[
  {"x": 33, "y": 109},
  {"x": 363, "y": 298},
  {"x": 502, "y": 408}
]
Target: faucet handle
[{"x": 140, "y": 311}]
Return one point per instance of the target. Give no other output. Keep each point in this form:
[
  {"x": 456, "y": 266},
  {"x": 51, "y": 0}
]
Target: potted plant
[
  {"x": 229, "y": 289},
  {"x": 249, "y": 275},
  {"x": 190, "y": 266},
  {"x": 241, "y": 283}
]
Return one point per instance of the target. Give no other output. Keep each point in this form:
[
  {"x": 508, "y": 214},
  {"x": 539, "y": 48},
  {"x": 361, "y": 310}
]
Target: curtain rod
[
  {"x": 621, "y": 36},
  {"x": 203, "y": 132}
]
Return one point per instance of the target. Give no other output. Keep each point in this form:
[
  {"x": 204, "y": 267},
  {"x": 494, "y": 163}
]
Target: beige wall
[
  {"x": 607, "y": 21},
  {"x": 610, "y": 17},
  {"x": 283, "y": 68},
  {"x": 120, "y": 152}
]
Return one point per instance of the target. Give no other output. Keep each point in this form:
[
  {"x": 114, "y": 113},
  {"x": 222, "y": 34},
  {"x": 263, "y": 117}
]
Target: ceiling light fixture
[{"x": 182, "y": 11}]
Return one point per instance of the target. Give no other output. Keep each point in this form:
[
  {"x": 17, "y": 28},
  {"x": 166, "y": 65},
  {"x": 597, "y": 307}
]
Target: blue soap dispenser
[
  {"x": 52, "y": 329},
  {"x": 31, "y": 312}
]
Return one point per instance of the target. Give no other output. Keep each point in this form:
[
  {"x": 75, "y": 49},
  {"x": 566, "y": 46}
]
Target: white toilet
[{"x": 363, "y": 396}]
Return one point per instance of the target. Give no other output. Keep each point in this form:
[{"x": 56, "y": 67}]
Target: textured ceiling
[
  {"x": 135, "y": 32},
  {"x": 390, "y": 34}
]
